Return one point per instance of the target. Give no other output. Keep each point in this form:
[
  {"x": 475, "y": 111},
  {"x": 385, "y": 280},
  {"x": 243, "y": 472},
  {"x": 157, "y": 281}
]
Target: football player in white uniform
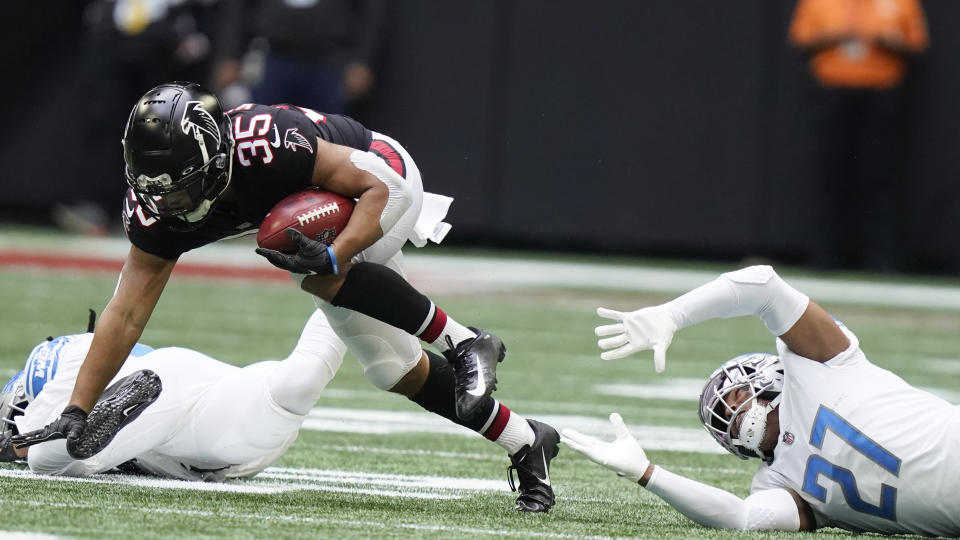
[
  {"x": 842, "y": 442},
  {"x": 209, "y": 421}
]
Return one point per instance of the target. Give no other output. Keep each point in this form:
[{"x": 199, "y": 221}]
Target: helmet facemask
[
  {"x": 188, "y": 200},
  {"x": 13, "y": 403},
  {"x": 761, "y": 376}
]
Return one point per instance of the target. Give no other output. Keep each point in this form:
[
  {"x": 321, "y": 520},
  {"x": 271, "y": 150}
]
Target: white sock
[
  {"x": 438, "y": 327},
  {"x": 508, "y": 429}
]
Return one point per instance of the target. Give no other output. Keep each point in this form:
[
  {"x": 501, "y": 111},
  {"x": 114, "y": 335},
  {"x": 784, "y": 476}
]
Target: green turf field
[{"x": 424, "y": 482}]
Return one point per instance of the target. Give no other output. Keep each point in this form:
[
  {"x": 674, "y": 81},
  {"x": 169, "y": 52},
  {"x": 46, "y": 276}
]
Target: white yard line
[
  {"x": 21, "y": 535},
  {"x": 280, "y": 480},
  {"x": 301, "y": 519}
]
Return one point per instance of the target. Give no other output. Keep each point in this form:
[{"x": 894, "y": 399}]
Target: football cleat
[
  {"x": 474, "y": 364},
  {"x": 119, "y": 405},
  {"x": 532, "y": 464}
]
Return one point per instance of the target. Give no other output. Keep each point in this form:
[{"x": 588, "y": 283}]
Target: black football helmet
[{"x": 177, "y": 147}]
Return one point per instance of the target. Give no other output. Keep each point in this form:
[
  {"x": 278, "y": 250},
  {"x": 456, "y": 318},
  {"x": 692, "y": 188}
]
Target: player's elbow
[{"x": 771, "y": 510}]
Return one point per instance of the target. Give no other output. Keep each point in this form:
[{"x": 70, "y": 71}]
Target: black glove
[
  {"x": 70, "y": 425},
  {"x": 312, "y": 257},
  {"x": 6, "y": 449}
]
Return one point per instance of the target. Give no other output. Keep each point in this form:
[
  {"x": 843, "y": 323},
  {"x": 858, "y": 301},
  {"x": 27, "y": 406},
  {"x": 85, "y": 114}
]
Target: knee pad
[{"x": 386, "y": 353}]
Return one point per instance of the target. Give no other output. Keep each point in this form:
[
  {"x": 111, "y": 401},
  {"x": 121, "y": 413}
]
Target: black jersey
[{"x": 273, "y": 156}]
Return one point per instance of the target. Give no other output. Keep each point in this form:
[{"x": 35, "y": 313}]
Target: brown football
[{"x": 318, "y": 214}]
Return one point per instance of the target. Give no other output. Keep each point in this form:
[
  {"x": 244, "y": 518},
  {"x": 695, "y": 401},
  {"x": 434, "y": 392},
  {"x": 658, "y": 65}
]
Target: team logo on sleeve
[
  {"x": 293, "y": 139},
  {"x": 198, "y": 122}
]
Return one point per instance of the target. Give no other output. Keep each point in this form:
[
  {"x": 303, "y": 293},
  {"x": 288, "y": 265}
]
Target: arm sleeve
[
  {"x": 771, "y": 510},
  {"x": 400, "y": 193},
  {"x": 756, "y": 290}
]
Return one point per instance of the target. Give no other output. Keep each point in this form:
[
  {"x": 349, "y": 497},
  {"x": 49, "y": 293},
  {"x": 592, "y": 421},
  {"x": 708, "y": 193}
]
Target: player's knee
[
  {"x": 752, "y": 275},
  {"x": 384, "y": 363}
]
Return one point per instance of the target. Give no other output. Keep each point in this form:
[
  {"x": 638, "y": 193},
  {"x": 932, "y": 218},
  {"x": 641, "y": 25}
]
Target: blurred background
[{"x": 823, "y": 135}]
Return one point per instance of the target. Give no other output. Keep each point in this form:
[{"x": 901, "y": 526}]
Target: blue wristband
[{"x": 333, "y": 260}]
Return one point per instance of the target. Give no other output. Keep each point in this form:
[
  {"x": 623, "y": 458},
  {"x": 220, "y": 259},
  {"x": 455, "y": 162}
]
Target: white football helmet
[
  {"x": 761, "y": 375},
  {"x": 13, "y": 402}
]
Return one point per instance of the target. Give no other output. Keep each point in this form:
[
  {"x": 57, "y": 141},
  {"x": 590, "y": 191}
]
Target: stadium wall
[{"x": 662, "y": 128}]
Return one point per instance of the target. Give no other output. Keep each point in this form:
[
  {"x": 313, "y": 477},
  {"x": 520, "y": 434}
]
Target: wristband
[{"x": 333, "y": 261}]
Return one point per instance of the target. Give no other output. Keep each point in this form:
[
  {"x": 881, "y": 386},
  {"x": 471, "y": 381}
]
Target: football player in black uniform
[{"x": 197, "y": 175}]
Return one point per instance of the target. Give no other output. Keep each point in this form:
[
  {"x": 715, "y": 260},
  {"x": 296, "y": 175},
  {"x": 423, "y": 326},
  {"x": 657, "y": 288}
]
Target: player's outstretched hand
[
  {"x": 312, "y": 257},
  {"x": 70, "y": 425},
  {"x": 647, "y": 328},
  {"x": 623, "y": 455}
]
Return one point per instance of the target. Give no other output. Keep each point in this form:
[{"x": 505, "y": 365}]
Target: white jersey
[
  {"x": 211, "y": 420},
  {"x": 866, "y": 451}
]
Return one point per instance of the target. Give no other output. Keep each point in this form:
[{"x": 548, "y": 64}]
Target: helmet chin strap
[
  {"x": 754, "y": 425},
  {"x": 199, "y": 212}
]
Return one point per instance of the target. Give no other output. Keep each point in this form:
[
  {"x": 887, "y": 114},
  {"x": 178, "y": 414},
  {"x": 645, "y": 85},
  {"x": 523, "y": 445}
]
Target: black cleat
[
  {"x": 119, "y": 405},
  {"x": 532, "y": 464},
  {"x": 474, "y": 364}
]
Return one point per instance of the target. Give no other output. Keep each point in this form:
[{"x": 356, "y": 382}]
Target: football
[{"x": 318, "y": 214}]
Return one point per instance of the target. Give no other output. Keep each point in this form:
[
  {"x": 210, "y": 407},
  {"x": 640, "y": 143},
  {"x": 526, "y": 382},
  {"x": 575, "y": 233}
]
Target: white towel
[{"x": 430, "y": 224}]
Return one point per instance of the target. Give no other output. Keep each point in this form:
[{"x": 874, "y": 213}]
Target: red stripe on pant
[
  {"x": 390, "y": 155},
  {"x": 436, "y": 326},
  {"x": 499, "y": 423}
]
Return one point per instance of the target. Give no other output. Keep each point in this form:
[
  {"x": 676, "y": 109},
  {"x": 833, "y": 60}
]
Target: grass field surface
[{"x": 372, "y": 464}]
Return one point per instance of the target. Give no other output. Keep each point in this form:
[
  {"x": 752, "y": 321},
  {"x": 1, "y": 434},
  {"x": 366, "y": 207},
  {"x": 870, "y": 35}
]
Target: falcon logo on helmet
[{"x": 197, "y": 121}]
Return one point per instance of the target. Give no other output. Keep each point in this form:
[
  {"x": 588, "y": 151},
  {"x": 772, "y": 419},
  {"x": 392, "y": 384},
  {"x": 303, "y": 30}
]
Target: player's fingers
[
  {"x": 613, "y": 342},
  {"x": 296, "y": 237},
  {"x": 576, "y": 440},
  {"x": 660, "y": 357},
  {"x": 280, "y": 260},
  {"x": 607, "y": 313},
  {"x": 74, "y": 431},
  {"x": 617, "y": 354},
  {"x": 619, "y": 428},
  {"x": 608, "y": 330},
  {"x": 36, "y": 436}
]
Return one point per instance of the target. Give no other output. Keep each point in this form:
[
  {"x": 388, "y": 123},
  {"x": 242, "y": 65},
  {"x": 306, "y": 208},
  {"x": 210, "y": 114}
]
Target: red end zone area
[{"x": 110, "y": 264}]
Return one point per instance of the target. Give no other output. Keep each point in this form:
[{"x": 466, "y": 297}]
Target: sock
[
  {"x": 437, "y": 327},
  {"x": 494, "y": 421},
  {"x": 507, "y": 428},
  {"x": 381, "y": 293}
]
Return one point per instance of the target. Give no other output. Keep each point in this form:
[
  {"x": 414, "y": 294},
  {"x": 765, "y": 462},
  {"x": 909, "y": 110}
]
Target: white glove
[
  {"x": 623, "y": 456},
  {"x": 647, "y": 328}
]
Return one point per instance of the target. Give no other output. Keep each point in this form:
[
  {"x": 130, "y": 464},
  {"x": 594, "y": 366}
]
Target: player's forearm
[
  {"x": 363, "y": 229},
  {"x": 713, "y": 507},
  {"x": 112, "y": 342},
  {"x": 756, "y": 290}
]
